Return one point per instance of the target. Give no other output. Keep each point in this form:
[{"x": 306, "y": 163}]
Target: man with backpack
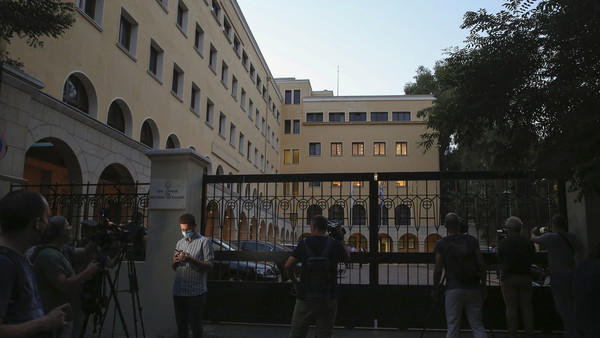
[
  {"x": 317, "y": 289},
  {"x": 459, "y": 255}
]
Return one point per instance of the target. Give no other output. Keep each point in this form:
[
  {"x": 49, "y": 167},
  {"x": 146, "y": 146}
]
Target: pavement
[{"x": 231, "y": 330}]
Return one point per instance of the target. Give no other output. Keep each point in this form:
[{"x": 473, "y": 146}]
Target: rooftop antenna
[{"x": 338, "y": 79}]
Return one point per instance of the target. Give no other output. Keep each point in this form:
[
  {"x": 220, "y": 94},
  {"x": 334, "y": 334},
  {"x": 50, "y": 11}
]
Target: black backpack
[
  {"x": 318, "y": 274},
  {"x": 463, "y": 259}
]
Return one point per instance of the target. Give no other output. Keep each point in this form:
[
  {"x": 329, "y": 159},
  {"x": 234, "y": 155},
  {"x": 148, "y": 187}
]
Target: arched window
[
  {"x": 359, "y": 215},
  {"x": 116, "y": 117},
  {"x": 146, "y": 136},
  {"x": 383, "y": 214},
  {"x": 312, "y": 211},
  {"x": 74, "y": 94},
  {"x": 402, "y": 215},
  {"x": 336, "y": 213},
  {"x": 172, "y": 142}
]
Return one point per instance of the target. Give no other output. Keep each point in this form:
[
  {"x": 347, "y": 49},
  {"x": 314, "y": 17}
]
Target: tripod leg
[{"x": 113, "y": 295}]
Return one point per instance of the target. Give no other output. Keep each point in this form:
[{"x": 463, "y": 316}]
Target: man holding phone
[{"x": 192, "y": 261}]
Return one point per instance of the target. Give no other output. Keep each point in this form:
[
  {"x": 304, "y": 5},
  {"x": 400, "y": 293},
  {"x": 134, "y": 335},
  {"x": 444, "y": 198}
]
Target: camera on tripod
[{"x": 335, "y": 230}]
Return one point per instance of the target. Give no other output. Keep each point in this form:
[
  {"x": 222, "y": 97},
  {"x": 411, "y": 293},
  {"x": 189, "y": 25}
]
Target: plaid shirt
[{"x": 189, "y": 280}]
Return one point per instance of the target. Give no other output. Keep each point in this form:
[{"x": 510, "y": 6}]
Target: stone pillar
[{"x": 176, "y": 188}]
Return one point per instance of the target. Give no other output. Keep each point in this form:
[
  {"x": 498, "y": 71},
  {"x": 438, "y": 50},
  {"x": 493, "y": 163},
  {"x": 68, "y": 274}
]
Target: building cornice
[{"x": 369, "y": 98}]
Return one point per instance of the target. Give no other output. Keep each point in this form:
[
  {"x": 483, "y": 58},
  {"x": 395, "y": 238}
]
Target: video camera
[{"x": 335, "y": 230}]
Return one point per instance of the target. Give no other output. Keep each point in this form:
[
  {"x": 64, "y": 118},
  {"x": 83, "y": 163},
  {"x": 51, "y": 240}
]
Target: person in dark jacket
[{"x": 515, "y": 254}]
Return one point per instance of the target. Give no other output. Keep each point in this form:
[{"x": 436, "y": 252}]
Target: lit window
[
  {"x": 291, "y": 156},
  {"x": 336, "y": 148},
  {"x": 358, "y": 183},
  {"x": 336, "y": 183},
  {"x": 379, "y": 148},
  {"x": 402, "y": 183},
  {"x": 358, "y": 148},
  {"x": 401, "y": 116},
  {"x": 314, "y": 149},
  {"x": 401, "y": 148}
]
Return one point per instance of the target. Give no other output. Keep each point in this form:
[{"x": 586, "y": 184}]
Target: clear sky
[{"x": 377, "y": 44}]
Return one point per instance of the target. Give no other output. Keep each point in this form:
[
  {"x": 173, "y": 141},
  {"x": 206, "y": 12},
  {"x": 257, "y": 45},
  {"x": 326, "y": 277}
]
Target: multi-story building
[{"x": 134, "y": 75}]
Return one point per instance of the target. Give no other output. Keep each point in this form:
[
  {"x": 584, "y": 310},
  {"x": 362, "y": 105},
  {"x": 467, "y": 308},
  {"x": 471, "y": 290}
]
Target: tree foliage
[
  {"x": 524, "y": 92},
  {"x": 32, "y": 19}
]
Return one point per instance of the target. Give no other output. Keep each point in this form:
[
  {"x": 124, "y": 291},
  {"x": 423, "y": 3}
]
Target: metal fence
[
  {"x": 116, "y": 203},
  {"x": 392, "y": 219}
]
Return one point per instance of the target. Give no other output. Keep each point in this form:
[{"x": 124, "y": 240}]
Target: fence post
[{"x": 373, "y": 231}]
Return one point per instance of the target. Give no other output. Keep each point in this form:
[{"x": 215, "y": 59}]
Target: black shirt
[{"x": 515, "y": 253}]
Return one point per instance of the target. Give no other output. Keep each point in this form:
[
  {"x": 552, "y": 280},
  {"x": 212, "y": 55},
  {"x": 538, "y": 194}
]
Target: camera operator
[{"x": 54, "y": 274}]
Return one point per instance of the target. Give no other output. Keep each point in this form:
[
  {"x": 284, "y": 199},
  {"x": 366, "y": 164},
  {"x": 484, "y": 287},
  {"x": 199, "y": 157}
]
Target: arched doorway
[
  {"x": 408, "y": 243},
  {"x": 116, "y": 186},
  {"x": 51, "y": 161},
  {"x": 359, "y": 241},
  {"x": 385, "y": 243}
]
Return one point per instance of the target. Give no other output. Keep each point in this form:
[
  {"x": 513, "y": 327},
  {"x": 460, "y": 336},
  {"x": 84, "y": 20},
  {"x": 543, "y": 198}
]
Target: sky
[{"x": 373, "y": 47}]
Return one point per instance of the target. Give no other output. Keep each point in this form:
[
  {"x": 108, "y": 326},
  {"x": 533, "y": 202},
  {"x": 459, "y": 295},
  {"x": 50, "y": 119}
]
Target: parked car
[
  {"x": 234, "y": 270},
  {"x": 269, "y": 247}
]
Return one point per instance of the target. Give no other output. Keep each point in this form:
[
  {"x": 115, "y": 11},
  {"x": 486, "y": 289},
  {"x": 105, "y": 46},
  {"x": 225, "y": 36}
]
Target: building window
[
  {"x": 297, "y": 96},
  {"x": 227, "y": 28},
  {"x": 75, "y": 94},
  {"x": 337, "y": 117},
  {"x": 232, "y": 132},
  {"x": 262, "y": 125},
  {"x": 215, "y": 8},
  {"x": 314, "y": 117},
  {"x": 212, "y": 60},
  {"x": 379, "y": 116},
  {"x": 378, "y": 148},
  {"x": 237, "y": 45},
  {"x": 155, "y": 61},
  {"x": 314, "y": 184},
  {"x": 256, "y": 118},
  {"x": 296, "y": 127},
  {"x": 314, "y": 149},
  {"x": 116, "y": 118},
  {"x": 264, "y": 93},
  {"x": 128, "y": 31},
  {"x": 401, "y": 148},
  {"x": 287, "y": 126},
  {"x": 401, "y": 116},
  {"x": 177, "y": 84},
  {"x": 224, "y": 74},
  {"x": 249, "y": 151},
  {"x": 336, "y": 148},
  {"x": 222, "y": 124},
  {"x": 288, "y": 97},
  {"x": 199, "y": 40},
  {"x": 234, "y": 86},
  {"x": 243, "y": 100},
  {"x": 250, "y": 109},
  {"x": 402, "y": 184},
  {"x": 357, "y": 117},
  {"x": 358, "y": 148},
  {"x": 94, "y": 9},
  {"x": 291, "y": 156},
  {"x": 182, "y": 17},
  {"x": 146, "y": 135},
  {"x": 252, "y": 72},
  {"x": 258, "y": 83},
  {"x": 241, "y": 143},
  {"x": 210, "y": 112},
  {"x": 256, "y": 157},
  {"x": 195, "y": 99},
  {"x": 245, "y": 60}
]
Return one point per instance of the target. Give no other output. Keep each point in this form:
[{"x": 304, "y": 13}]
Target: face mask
[{"x": 188, "y": 234}]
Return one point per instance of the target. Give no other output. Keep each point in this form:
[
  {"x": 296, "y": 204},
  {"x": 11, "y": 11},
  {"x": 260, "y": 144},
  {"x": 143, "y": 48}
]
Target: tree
[
  {"x": 425, "y": 83},
  {"x": 30, "y": 20},
  {"x": 524, "y": 92}
]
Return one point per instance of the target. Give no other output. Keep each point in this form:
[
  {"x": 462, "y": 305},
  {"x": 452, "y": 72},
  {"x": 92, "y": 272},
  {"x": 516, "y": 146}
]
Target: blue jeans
[
  {"x": 470, "y": 300},
  {"x": 305, "y": 312},
  {"x": 189, "y": 312}
]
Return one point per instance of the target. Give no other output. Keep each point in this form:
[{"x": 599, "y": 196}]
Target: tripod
[{"x": 125, "y": 252}]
